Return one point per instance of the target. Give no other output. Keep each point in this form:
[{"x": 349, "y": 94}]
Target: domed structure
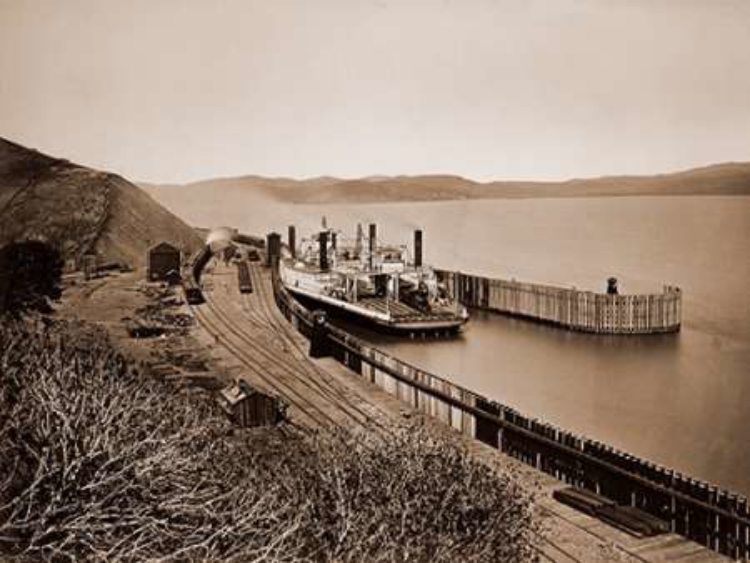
[{"x": 220, "y": 238}]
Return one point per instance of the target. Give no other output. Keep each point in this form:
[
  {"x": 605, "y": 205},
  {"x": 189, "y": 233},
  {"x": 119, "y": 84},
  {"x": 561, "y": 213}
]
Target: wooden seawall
[{"x": 569, "y": 308}]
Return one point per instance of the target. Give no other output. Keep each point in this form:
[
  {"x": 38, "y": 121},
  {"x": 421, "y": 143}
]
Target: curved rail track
[
  {"x": 265, "y": 347},
  {"x": 292, "y": 341}
]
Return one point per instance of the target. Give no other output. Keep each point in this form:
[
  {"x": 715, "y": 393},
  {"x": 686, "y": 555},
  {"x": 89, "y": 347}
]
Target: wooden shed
[
  {"x": 248, "y": 406},
  {"x": 163, "y": 259}
]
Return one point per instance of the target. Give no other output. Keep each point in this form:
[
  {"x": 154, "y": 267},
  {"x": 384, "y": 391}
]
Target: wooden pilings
[{"x": 603, "y": 313}]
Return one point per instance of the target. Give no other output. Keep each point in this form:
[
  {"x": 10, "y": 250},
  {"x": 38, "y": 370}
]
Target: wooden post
[{"x": 320, "y": 345}]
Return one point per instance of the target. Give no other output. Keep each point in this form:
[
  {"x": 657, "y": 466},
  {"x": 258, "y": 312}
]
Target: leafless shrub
[{"x": 101, "y": 463}]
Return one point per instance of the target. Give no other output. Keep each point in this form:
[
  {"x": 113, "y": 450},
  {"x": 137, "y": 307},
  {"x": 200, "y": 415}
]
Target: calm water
[{"x": 680, "y": 400}]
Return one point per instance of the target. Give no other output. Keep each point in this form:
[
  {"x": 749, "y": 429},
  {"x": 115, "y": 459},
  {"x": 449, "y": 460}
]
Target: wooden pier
[{"x": 569, "y": 308}]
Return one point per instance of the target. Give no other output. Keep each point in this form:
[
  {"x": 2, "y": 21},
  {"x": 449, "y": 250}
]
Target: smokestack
[
  {"x": 418, "y": 248},
  {"x": 323, "y": 250},
  {"x": 373, "y": 237},
  {"x": 612, "y": 286},
  {"x": 293, "y": 241},
  {"x": 333, "y": 241},
  {"x": 273, "y": 248},
  {"x": 358, "y": 244}
]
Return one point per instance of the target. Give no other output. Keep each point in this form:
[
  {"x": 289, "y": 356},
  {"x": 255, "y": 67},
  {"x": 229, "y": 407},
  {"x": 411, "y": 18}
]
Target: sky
[{"x": 182, "y": 90}]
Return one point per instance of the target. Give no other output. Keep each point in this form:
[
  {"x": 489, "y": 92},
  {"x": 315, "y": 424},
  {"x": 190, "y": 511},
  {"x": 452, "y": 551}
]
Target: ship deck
[{"x": 403, "y": 313}]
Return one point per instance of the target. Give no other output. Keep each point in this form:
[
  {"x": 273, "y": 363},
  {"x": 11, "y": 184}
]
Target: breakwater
[
  {"x": 570, "y": 308},
  {"x": 713, "y": 517}
]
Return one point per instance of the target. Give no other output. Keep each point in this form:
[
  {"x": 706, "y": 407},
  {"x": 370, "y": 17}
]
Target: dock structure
[
  {"x": 573, "y": 309},
  {"x": 716, "y": 519},
  {"x": 266, "y": 343}
]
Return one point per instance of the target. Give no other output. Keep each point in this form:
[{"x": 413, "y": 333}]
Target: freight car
[
  {"x": 193, "y": 293},
  {"x": 243, "y": 277}
]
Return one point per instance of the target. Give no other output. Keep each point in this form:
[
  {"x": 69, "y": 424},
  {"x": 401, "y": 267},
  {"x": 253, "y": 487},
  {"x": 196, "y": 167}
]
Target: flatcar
[{"x": 243, "y": 277}]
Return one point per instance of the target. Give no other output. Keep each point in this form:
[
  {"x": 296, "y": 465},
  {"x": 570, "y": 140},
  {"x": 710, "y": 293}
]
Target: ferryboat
[{"x": 370, "y": 282}]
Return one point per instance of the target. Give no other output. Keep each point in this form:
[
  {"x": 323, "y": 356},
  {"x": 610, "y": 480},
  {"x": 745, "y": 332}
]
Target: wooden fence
[
  {"x": 711, "y": 516},
  {"x": 570, "y": 308}
]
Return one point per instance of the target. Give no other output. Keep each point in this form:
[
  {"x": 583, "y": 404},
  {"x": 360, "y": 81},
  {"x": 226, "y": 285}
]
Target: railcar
[{"x": 243, "y": 277}]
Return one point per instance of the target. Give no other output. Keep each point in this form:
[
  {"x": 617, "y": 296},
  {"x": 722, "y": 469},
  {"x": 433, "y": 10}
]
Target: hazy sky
[{"x": 177, "y": 90}]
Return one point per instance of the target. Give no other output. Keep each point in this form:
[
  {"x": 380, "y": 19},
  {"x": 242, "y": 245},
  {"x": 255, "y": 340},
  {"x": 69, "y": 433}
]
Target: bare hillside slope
[{"x": 81, "y": 209}]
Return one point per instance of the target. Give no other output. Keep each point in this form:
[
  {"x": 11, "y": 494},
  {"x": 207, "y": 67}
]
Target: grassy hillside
[
  {"x": 81, "y": 209},
  {"x": 719, "y": 179}
]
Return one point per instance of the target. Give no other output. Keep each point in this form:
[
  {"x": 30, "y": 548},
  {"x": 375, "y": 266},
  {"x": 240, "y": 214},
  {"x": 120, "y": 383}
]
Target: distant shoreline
[{"x": 728, "y": 179}]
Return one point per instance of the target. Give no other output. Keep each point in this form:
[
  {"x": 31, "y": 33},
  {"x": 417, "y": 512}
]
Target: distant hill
[
  {"x": 82, "y": 209},
  {"x": 719, "y": 179}
]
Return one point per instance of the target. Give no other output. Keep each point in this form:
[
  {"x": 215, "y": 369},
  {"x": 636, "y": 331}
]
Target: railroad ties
[{"x": 271, "y": 354}]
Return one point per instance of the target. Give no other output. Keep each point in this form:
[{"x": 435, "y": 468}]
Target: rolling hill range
[
  {"x": 81, "y": 209},
  {"x": 718, "y": 179}
]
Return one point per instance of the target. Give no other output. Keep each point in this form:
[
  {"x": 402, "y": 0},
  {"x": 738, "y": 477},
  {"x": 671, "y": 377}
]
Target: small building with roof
[
  {"x": 164, "y": 260},
  {"x": 248, "y": 406}
]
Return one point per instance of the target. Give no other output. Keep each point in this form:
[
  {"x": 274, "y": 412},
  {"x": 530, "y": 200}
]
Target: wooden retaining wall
[
  {"x": 704, "y": 513},
  {"x": 570, "y": 308}
]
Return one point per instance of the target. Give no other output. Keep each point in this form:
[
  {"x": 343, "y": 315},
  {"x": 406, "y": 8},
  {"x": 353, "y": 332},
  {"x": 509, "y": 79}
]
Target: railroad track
[
  {"x": 288, "y": 374},
  {"x": 561, "y": 517},
  {"x": 300, "y": 364},
  {"x": 311, "y": 418},
  {"x": 551, "y": 551},
  {"x": 280, "y": 325}
]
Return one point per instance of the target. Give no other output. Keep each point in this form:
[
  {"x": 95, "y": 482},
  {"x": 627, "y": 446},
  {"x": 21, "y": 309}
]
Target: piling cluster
[{"x": 585, "y": 311}]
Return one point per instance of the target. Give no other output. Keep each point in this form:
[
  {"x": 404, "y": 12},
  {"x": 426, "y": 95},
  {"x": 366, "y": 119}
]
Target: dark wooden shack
[
  {"x": 248, "y": 406},
  {"x": 163, "y": 260}
]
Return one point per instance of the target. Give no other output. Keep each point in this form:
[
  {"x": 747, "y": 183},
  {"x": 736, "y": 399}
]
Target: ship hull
[{"x": 363, "y": 316}]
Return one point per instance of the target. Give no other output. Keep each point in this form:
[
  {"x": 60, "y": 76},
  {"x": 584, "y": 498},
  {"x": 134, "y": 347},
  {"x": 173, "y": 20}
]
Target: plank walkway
[{"x": 250, "y": 337}]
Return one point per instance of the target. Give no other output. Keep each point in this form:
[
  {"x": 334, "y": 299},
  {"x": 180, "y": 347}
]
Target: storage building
[
  {"x": 248, "y": 406},
  {"x": 163, "y": 260}
]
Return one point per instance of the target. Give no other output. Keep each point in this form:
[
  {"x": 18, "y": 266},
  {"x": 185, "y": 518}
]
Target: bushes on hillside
[
  {"x": 30, "y": 276},
  {"x": 100, "y": 463}
]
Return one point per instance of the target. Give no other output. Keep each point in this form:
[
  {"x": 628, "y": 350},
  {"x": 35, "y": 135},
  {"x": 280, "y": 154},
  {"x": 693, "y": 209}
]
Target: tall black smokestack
[
  {"x": 292, "y": 241},
  {"x": 373, "y": 238},
  {"x": 333, "y": 241},
  {"x": 323, "y": 250},
  {"x": 273, "y": 248},
  {"x": 418, "y": 248}
]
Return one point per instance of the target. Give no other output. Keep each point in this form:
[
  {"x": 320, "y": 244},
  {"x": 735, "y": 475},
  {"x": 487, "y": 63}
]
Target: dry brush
[{"x": 99, "y": 462}]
